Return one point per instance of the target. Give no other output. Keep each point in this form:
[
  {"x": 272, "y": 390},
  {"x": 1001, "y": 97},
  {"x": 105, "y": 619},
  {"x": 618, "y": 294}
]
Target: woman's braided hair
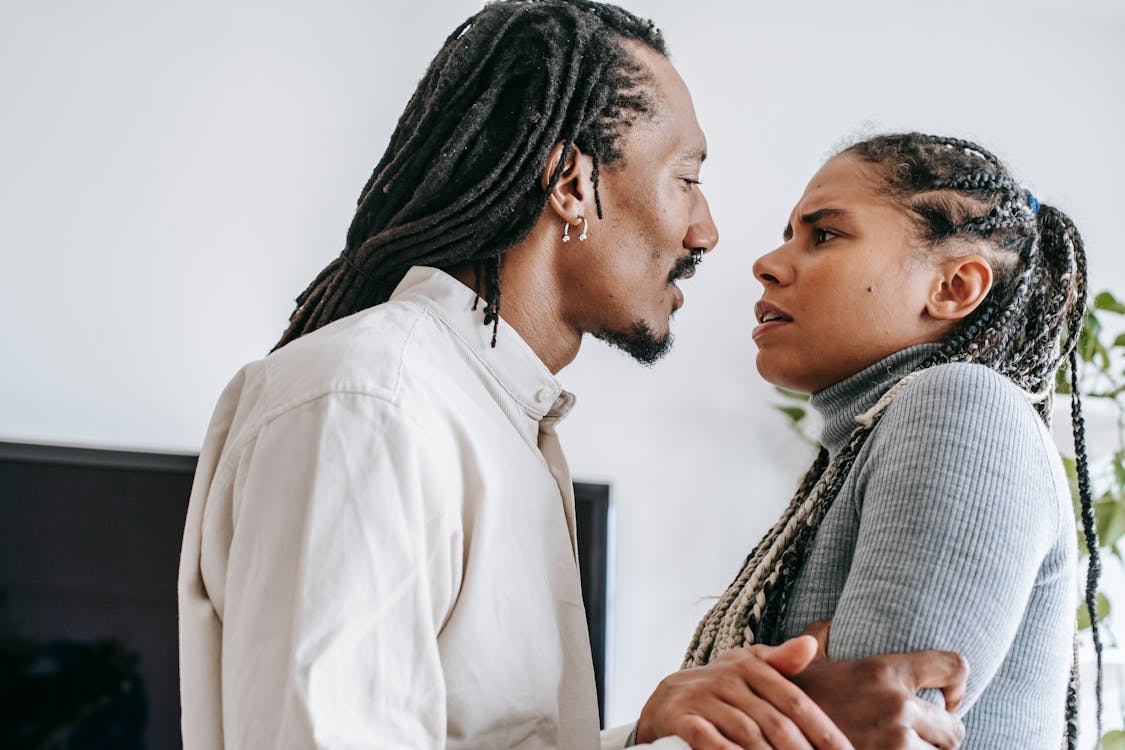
[
  {"x": 1025, "y": 329},
  {"x": 460, "y": 181}
]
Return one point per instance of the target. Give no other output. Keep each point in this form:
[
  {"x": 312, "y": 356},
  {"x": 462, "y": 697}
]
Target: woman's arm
[{"x": 958, "y": 508}]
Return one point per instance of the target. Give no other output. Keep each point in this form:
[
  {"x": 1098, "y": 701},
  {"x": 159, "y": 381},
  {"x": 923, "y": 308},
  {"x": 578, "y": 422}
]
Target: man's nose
[{"x": 702, "y": 233}]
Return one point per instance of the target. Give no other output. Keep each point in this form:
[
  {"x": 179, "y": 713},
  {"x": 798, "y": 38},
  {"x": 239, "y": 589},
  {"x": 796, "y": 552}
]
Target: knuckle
[
  {"x": 733, "y": 656},
  {"x": 960, "y": 666},
  {"x": 746, "y": 731},
  {"x": 876, "y": 669},
  {"x": 741, "y": 658},
  {"x": 797, "y": 706},
  {"x": 731, "y": 684},
  {"x": 779, "y": 728},
  {"x": 693, "y": 729},
  {"x": 956, "y": 736},
  {"x": 899, "y": 707}
]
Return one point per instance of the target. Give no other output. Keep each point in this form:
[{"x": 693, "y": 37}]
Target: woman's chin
[{"x": 775, "y": 374}]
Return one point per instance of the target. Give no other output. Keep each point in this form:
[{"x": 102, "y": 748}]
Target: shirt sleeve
[
  {"x": 957, "y": 510},
  {"x": 338, "y": 579},
  {"x": 619, "y": 738}
]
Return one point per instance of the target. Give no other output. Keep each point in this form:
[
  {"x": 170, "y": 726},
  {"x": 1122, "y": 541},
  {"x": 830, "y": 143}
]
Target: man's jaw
[{"x": 641, "y": 343}]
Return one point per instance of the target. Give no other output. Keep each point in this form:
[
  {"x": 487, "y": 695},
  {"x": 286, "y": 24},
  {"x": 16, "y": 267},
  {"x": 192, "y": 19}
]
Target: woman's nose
[{"x": 770, "y": 268}]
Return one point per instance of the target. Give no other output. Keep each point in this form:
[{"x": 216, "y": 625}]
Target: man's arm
[
  {"x": 875, "y": 700},
  {"x": 333, "y": 595},
  {"x": 741, "y": 700}
]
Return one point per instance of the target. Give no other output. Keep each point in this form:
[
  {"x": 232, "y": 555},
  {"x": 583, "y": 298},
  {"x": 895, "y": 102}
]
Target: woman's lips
[{"x": 769, "y": 317}]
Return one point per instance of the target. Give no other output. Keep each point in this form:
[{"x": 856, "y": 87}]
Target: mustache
[{"x": 684, "y": 268}]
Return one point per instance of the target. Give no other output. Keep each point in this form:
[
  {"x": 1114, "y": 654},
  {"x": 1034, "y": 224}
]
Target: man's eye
[{"x": 690, "y": 182}]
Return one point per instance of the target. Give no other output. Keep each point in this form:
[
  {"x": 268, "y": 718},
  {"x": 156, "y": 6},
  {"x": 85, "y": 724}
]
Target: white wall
[{"x": 171, "y": 175}]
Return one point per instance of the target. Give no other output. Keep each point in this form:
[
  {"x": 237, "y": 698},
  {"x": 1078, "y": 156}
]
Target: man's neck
[{"x": 530, "y": 304}]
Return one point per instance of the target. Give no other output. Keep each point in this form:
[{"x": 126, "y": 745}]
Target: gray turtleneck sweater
[{"x": 953, "y": 530}]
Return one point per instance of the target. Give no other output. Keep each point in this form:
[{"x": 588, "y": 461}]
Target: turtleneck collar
[{"x": 839, "y": 404}]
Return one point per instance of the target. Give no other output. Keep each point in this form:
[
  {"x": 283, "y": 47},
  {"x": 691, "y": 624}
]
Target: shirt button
[{"x": 543, "y": 395}]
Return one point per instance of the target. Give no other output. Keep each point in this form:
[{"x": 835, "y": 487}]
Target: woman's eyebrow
[
  {"x": 814, "y": 216},
  {"x": 824, "y": 213}
]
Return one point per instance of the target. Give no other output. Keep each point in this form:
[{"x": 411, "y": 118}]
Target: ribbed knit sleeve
[{"x": 959, "y": 505}]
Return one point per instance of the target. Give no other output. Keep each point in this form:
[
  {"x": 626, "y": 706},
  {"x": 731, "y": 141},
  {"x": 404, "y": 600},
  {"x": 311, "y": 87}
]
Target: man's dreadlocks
[{"x": 460, "y": 181}]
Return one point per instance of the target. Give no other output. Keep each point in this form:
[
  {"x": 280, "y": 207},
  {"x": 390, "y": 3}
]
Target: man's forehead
[{"x": 672, "y": 120}]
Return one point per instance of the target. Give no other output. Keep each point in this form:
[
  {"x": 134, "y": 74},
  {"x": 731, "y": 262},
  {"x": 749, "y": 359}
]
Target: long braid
[
  {"x": 1025, "y": 329},
  {"x": 460, "y": 179},
  {"x": 1058, "y": 224}
]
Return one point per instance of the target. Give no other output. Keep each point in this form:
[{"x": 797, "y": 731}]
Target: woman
[{"x": 926, "y": 300}]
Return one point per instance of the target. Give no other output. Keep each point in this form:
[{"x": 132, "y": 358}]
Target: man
[{"x": 380, "y": 550}]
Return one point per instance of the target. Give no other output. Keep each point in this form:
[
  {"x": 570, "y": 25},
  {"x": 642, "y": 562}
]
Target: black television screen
[{"x": 89, "y": 548}]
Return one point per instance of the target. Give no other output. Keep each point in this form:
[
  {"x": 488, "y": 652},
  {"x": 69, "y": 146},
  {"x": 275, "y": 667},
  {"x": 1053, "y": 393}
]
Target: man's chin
[{"x": 641, "y": 342}]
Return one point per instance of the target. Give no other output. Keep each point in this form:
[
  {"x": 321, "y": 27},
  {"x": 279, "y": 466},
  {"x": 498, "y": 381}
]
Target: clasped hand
[{"x": 790, "y": 697}]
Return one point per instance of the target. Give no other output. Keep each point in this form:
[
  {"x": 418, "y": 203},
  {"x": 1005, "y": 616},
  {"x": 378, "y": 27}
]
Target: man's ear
[
  {"x": 573, "y": 192},
  {"x": 960, "y": 285}
]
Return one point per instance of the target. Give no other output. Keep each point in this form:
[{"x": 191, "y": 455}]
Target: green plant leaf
[
  {"x": 1089, "y": 346},
  {"x": 1071, "y": 468},
  {"x": 792, "y": 395},
  {"x": 795, "y": 413},
  {"x": 1109, "y": 517},
  {"x": 1119, "y": 341},
  {"x": 1106, "y": 394},
  {"x": 1106, "y": 301},
  {"x": 1114, "y": 740},
  {"x": 1062, "y": 381},
  {"x": 1102, "y": 607}
]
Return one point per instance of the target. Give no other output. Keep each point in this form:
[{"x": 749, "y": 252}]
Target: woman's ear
[
  {"x": 959, "y": 287},
  {"x": 573, "y": 191}
]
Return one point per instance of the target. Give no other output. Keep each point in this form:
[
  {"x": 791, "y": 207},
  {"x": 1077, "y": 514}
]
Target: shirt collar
[{"x": 514, "y": 364}]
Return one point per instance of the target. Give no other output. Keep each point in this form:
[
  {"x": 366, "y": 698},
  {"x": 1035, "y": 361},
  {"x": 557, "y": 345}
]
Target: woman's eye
[{"x": 823, "y": 235}]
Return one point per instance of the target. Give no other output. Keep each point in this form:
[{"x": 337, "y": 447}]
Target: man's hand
[
  {"x": 874, "y": 700},
  {"x": 742, "y": 700}
]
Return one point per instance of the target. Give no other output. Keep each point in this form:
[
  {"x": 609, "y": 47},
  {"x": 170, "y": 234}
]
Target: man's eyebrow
[
  {"x": 693, "y": 155},
  {"x": 813, "y": 217}
]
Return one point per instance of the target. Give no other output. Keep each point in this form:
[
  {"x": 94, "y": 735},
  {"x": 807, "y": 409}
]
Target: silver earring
[{"x": 566, "y": 231}]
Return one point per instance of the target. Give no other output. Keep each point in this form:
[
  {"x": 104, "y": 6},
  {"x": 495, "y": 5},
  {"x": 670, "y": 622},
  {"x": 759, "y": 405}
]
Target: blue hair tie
[{"x": 1033, "y": 202}]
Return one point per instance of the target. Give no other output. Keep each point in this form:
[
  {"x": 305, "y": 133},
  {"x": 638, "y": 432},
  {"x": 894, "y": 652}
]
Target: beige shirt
[{"x": 377, "y": 551}]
